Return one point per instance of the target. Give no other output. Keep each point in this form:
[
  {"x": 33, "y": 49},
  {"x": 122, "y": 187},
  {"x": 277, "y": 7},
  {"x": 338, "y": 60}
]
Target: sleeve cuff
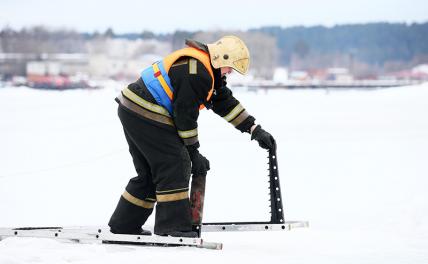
[
  {"x": 189, "y": 137},
  {"x": 245, "y": 126}
]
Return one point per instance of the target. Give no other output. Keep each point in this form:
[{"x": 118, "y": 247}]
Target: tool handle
[{"x": 197, "y": 195}]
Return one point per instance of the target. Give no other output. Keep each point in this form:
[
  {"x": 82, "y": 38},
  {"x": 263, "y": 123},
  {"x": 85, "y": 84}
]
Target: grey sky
[{"x": 167, "y": 16}]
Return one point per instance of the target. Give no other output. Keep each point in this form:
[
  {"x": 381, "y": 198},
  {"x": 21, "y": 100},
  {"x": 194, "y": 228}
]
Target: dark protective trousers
[{"x": 163, "y": 172}]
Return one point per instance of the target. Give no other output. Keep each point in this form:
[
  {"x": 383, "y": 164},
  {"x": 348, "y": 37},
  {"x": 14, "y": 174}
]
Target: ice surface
[{"x": 353, "y": 163}]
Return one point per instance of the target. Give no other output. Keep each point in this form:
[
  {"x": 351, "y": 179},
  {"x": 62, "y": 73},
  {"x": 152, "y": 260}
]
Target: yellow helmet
[{"x": 230, "y": 51}]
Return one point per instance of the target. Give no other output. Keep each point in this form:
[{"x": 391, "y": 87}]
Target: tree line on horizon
[{"x": 363, "y": 48}]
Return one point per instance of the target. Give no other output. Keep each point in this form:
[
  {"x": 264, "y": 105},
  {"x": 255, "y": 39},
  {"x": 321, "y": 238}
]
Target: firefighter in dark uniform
[{"x": 159, "y": 115}]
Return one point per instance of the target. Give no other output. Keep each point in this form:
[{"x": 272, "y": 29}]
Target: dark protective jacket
[{"x": 190, "y": 90}]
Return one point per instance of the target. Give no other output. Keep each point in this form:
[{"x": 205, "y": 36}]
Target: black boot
[
  {"x": 129, "y": 218},
  {"x": 173, "y": 219}
]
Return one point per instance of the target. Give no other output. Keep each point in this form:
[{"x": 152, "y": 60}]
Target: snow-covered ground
[{"x": 353, "y": 163}]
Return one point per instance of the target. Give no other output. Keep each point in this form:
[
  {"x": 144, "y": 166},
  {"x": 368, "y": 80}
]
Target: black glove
[
  {"x": 265, "y": 139},
  {"x": 200, "y": 164}
]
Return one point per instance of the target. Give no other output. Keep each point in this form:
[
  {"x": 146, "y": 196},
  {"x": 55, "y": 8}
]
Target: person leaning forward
[{"x": 159, "y": 115}]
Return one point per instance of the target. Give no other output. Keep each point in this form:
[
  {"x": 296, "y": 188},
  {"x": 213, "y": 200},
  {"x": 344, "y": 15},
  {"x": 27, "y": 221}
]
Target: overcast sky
[{"x": 167, "y": 16}]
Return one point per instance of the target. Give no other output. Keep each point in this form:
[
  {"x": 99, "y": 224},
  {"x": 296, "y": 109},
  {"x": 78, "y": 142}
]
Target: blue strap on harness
[{"x": 154, "y": 86}]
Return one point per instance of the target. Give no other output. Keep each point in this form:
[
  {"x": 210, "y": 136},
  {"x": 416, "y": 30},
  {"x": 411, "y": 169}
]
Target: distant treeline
[
  {"x": 374, "y": 43},
  {"x": 360, "y": 47}
]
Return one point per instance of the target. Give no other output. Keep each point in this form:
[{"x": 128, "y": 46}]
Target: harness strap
[{"x": 162, "y": 81}]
